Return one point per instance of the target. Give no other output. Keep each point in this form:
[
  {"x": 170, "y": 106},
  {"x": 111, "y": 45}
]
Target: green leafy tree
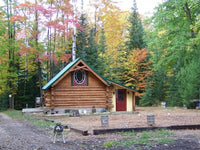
[
  {"x": 190, "y": 88},
  {"x": 4, "y": 103},
  {"x": 174, "y": 42},
  {"x": 11, "y": 48}
]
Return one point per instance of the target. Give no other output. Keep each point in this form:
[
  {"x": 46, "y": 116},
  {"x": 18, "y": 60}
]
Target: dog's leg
[
  {"x": 63, "y": 138},
  {"x": 54, "y": 139}
]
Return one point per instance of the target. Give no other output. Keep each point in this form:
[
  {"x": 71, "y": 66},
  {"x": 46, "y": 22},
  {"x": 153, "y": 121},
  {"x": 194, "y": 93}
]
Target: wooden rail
[
  {"x": 83, "y": 132},
  {"x": 174, "y": 127},
  {"x": 46, "y": 119}
]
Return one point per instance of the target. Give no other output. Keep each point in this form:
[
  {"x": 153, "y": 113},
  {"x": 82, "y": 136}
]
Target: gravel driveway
[
  {"x": 20, "y": 135},
  {"x": 17, "y": 135}
]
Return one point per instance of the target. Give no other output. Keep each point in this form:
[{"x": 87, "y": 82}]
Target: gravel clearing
[
  {"x": 17, "y": 134},
  {"x": 20, "y": 135},
  {"x": 163, "y": 117}
]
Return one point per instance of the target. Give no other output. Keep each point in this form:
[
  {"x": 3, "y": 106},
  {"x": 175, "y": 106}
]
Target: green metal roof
[
  {"x": 106, "y": 80},
  {"x": 63, "y": 71},
  {"x": 69, "y": 66},
  {"x": 122, "y": 85}
]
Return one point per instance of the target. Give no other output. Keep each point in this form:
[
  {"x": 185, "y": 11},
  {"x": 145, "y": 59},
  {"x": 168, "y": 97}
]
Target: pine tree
[
  {"x": 101, "y": 51},
  {"x": 155, "y": 89},
  {"x": 136, "y": 31},
  {"x": 92, "y": 50},
  {"x": 135, "y": 57},
  {"x": 82, "y": 37}
]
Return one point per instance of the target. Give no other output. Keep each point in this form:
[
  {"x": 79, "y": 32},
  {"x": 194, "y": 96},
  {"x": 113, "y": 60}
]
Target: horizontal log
[
  {"x": 68, "y": 100},
  {"x": 82, "y": 104},
  {"x": 83, "y": 132},
  {"x": 48, "y": 105},
  {"x": 78, "y": 101},
  {"x": 75, "y": 95},
  {"x": 72, "y": 106},
  {"x": 46, "y": 119},
  {"x": 73, "y": 99},
  {"x": 174, "y": 127},
  {"x": 79, "y": 98},
  {"x": 104, "y": 131},
  {"x": 82, "y": 93},
  {"x": 81, "y": 88},
  {"x": 110, "y": 105},
  {"x": 81, "y": 101},
  {"x": 181, "y": 127},
  {"x": 48, "y": 102},
  {"x": 79, "y": 104}
]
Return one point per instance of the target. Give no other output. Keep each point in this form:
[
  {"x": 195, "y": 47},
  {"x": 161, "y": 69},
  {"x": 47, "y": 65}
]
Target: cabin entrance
[{"x": 121, "y": 100}]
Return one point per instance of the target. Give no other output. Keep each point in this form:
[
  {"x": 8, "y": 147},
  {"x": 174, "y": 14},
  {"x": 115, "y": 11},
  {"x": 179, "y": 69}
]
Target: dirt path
[
  {"x": 20, "y": 135},
  {"x": 15, "y": 135}
]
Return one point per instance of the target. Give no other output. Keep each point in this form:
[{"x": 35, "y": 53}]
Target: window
[
  {"x": 120, "y": 95},
  {"x": 79, "y": 78}
]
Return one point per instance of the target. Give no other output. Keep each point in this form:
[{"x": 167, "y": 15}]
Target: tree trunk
[{"x": 188, "y": 12}]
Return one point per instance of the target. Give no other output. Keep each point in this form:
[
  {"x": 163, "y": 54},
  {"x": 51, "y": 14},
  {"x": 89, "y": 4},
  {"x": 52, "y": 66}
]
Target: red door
[{"x": 121, "y": 100}]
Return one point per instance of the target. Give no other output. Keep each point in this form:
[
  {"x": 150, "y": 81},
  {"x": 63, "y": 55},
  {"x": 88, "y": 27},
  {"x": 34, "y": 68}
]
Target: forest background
[{"x": 158, "y": 56}]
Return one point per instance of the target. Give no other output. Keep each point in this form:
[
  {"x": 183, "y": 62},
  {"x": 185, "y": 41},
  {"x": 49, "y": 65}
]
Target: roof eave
[
  {"x": 67, "y": 68},
  {"x": 60, "y": 74},
  {"x": 123, "y": 86}
]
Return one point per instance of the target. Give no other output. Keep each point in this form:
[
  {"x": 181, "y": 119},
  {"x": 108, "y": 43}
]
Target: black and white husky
[{"x": 58, "y": 130}]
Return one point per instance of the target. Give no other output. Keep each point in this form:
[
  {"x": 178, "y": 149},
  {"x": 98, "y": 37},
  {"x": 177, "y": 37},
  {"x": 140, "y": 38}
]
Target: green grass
[
  {"x": 16, "y": 114},
  {"x": 33, "y": 119},
  {"x": 129, "y": 133},
  {"x": 109, "y": 144},
  {"x": 165, "y": 140},
  {"x": 146, "y": 138},
  {"x": 43, "y": 123}
]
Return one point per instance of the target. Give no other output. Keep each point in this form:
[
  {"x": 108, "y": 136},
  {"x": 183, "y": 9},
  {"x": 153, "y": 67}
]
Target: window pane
[{"x": 120, "y": 95}]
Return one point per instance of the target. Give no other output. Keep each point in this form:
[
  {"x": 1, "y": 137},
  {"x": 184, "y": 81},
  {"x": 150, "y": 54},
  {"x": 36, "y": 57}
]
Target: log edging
[{"x": 173, "y": 127}]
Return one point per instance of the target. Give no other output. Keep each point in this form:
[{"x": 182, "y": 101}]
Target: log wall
[{"x": 64, "y": 95}]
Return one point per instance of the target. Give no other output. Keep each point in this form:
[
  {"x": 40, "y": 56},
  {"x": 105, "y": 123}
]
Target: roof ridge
[{"x": 66, "y": 68}]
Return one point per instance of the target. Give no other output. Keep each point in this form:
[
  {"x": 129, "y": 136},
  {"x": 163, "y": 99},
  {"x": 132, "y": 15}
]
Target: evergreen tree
[
  {"x": 136, "y": 31},
  {"x": 155, "y": 89},
  {"x": 82, "y": 37},
  {"x": 92, "y": 51},
  {"x": 136, "y": 57},
  {"x": 24, "y": 96},
  {"x": 101, "y": 51}
]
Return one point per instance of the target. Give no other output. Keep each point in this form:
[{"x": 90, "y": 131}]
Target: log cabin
[{"x": 79, "y": 86}]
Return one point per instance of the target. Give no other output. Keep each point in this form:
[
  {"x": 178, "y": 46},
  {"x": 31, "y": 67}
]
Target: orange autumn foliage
[{"x": 137, "y": 69}]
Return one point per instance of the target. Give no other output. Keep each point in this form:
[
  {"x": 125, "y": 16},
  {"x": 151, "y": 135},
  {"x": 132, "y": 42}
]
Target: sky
[{"x": 145, "y": 7}]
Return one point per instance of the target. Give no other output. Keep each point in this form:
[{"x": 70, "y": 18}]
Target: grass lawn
[
  {"x": 37, "y": 120},
  {"x": 142, "y": 139}
]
